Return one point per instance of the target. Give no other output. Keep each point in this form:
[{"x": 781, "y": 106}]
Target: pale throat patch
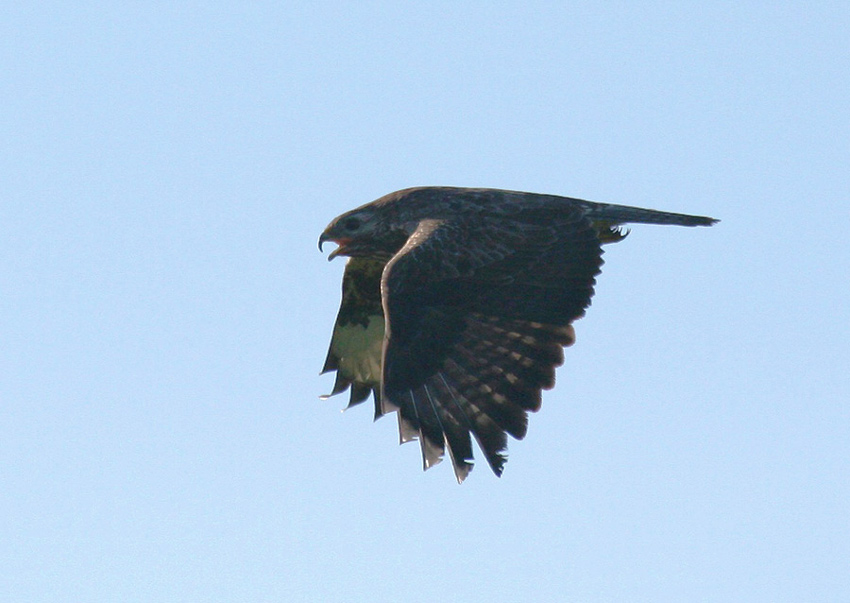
[{"x": 359, "y": 350}]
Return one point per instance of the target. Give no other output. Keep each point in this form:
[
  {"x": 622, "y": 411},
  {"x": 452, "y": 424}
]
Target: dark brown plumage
[{"x": 457, "y": 304}]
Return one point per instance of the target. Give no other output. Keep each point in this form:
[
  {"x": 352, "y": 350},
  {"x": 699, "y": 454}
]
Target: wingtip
[
  {"x": 497, "y": 463},
  {"x": 462, "y": 471},
  {"x": 428, "y": 461}
]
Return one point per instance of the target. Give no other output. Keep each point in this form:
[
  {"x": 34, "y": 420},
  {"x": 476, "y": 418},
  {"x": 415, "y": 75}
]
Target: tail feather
[{"x": 621, "y": 214}]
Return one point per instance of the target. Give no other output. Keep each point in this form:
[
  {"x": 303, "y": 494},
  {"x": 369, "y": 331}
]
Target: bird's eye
[{"x": 352, "y": 223}]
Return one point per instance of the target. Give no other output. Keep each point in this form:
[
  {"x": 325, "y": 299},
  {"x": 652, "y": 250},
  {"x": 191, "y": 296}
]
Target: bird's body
[{"x": 457, "y": 303}]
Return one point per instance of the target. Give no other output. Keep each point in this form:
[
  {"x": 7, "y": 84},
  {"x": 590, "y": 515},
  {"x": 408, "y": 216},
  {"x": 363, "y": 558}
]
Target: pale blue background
[{"x": 166, "y": 170}]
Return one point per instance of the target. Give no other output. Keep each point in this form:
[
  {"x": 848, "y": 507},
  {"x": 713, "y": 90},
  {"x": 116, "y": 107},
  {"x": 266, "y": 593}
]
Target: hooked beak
[{"x": 325, "y": 237}]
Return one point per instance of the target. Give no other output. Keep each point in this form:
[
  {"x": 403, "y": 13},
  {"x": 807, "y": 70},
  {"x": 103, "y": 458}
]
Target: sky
[{"x": 165, "y": 171}]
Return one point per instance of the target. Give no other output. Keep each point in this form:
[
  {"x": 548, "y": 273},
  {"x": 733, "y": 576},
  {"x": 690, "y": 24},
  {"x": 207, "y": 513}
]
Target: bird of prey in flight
[{"x": 457, "y": 303}]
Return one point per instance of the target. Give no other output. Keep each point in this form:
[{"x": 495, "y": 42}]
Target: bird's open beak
[{"x": 340, "y": 242}]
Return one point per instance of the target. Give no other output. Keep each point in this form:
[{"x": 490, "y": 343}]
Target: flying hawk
[{"x": 457, "y": 303}]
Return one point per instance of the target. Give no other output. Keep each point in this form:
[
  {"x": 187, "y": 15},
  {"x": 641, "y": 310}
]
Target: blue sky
[{"x": 164, "y": 312}]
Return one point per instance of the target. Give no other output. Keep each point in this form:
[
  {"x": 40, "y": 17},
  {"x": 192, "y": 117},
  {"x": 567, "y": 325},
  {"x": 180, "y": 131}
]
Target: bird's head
[{"x": 355, "y": 232}]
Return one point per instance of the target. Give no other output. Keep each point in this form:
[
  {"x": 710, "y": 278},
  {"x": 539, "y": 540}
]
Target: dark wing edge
[
  {"x": 356, "y": 344},
  {"x": 478, "y": 313}
]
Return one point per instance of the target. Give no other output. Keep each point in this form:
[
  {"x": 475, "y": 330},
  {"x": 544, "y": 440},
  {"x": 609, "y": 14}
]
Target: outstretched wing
[
  {"x": 477, "y": 312},
  {"x": 358, "y": 335}
]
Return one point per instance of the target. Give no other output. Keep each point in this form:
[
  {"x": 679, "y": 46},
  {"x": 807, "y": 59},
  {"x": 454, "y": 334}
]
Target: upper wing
[
  {"x": 358, "y": 335},
  {"x": 477, "y": 313}
]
